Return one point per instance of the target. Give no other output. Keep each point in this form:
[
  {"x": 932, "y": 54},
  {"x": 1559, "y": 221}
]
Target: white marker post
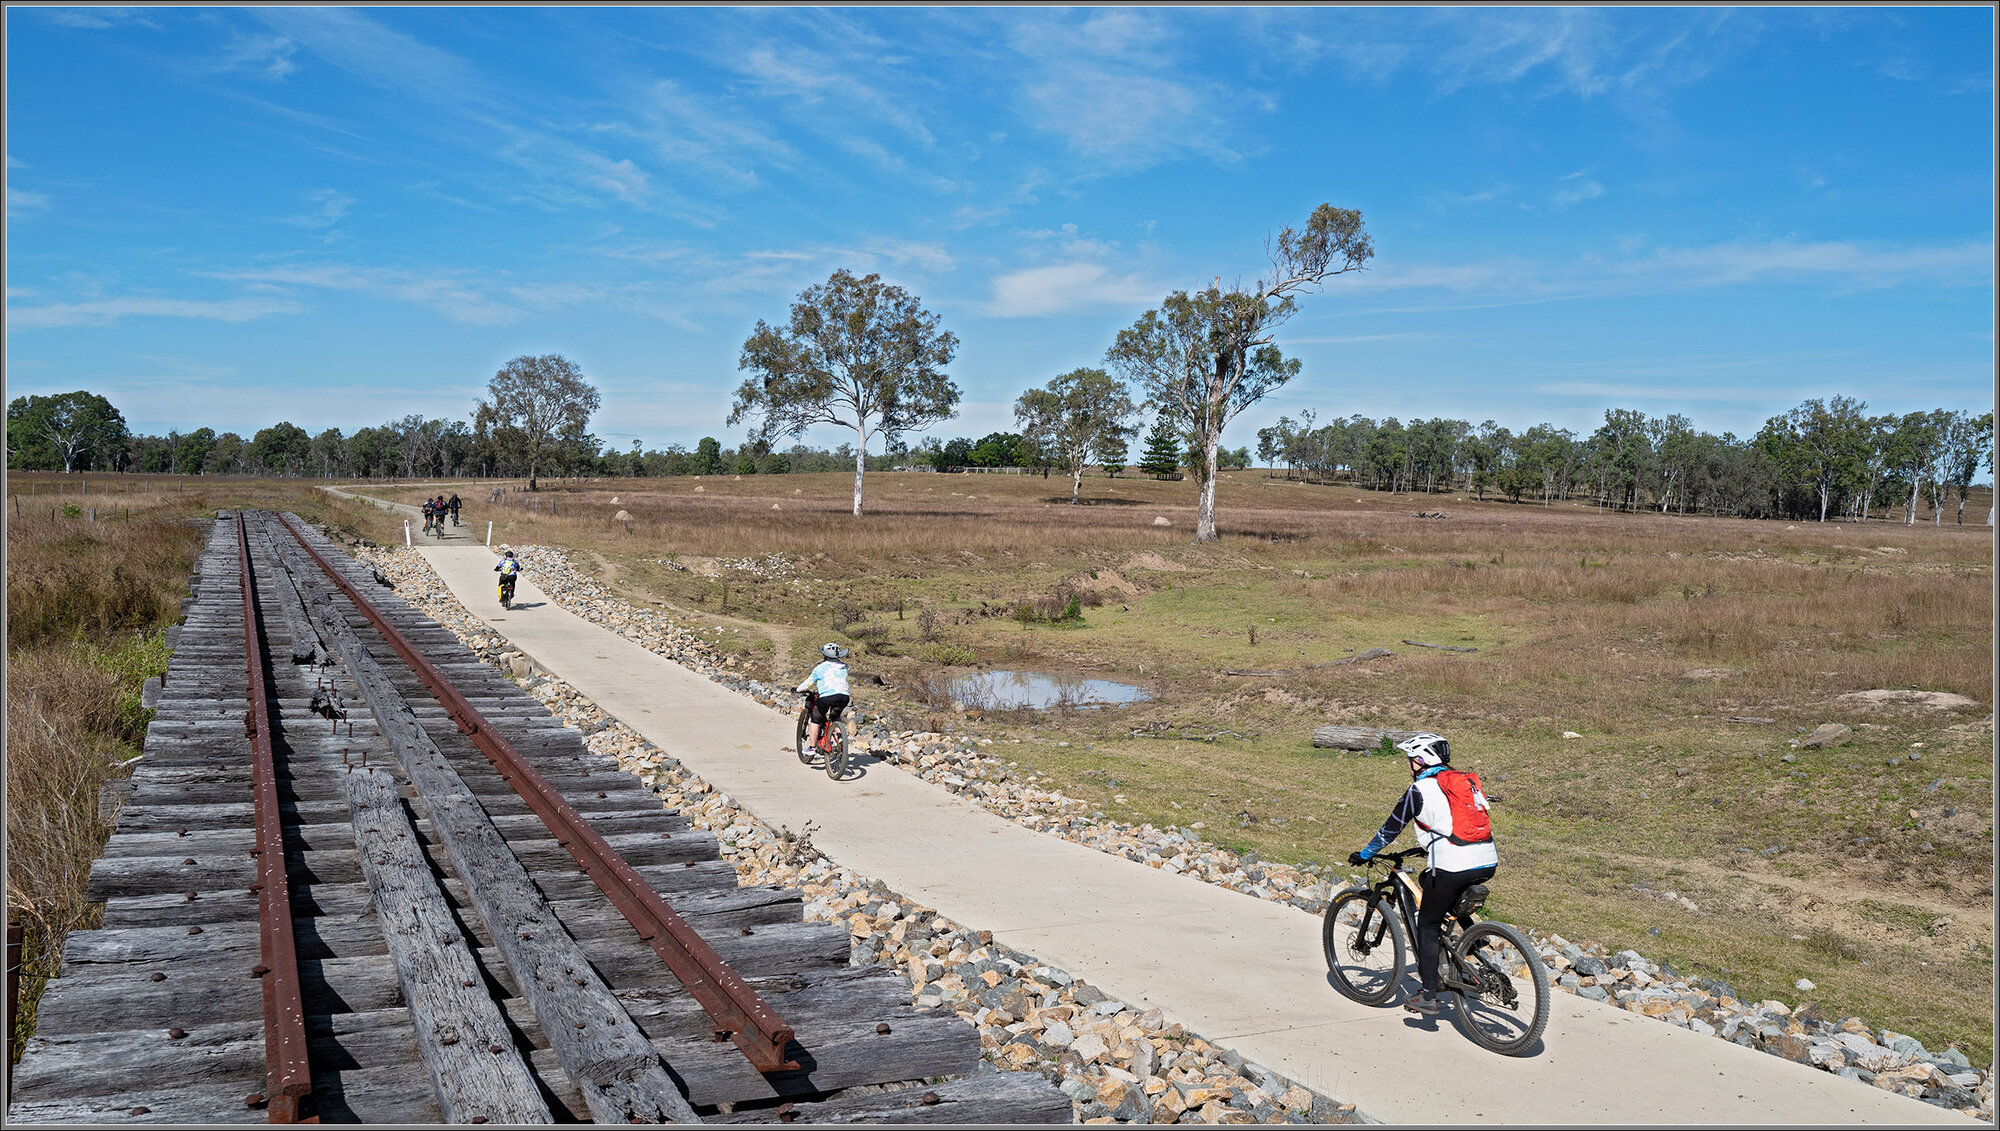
[
  {"x": 489, "y": 535},
  {"x": 406, "y": 532}
]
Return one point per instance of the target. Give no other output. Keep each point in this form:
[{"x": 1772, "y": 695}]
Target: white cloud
[
  {"x": 1850, "y": 265},
  {"x": 19, "y": 201},
  {"x": 333, "y": 204},
  {"x": 267, "y": 56},
  {"x": 1862, "y": 265},
  {"x": 448, "y": 295},
  {"x": 1064, "y": 288},
  {"x": 1127, "y": 120},
  {"x": 103, "y": 312},
  {"x": 1575, "y": 192}
]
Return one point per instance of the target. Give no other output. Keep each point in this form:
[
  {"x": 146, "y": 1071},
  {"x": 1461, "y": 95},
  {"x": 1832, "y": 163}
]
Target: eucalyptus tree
[
  {"x": 1208, "y": 356},
  {"x": 1968, "y": 444},
  {"x": 856, "y": 353},
  {"x": 1916, "y": 446},
  {"x": 64, "y": 430},
  {"x": 532, "y": 404},
  {"x": 1075, "y": 419}
]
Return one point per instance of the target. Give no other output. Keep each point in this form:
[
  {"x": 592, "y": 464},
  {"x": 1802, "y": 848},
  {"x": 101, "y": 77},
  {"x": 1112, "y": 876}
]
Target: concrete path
[{"x": 1239, "y": 971}]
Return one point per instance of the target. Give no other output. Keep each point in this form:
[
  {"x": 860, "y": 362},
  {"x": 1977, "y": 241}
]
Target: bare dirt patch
[{"x": 1884, "y": 697}]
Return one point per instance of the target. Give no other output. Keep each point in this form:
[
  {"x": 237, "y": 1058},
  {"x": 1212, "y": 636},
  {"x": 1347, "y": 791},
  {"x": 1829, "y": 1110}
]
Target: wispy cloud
[
  {"x": 1066, "y": 287},
  {"x": 94, "y": 18},
  {"x": 1573, "y": 189},
  {"x": 265, "y": 56},
  {"x": 20, "y": 201},
  {"x": 332, "y": 204},
  {"x": 1855, "y": 264},
  {"x": 1413, "y": 335},
  {"x": 1848, "y": 265},
  {"x": 103, "y": 312},
  {"x": 450, "y": 294}
]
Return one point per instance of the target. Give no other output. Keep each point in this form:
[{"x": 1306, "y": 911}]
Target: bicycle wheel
[
  {"x": 803, "y": 741},
  {"x": 1364, "y": 945},
  {"x": 836, "y": 749},
  {"x": 1511, "y": 1006}
]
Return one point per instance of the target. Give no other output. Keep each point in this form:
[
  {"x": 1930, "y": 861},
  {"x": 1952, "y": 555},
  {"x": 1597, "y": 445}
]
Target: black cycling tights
[{"x": 1441, "y": 892}]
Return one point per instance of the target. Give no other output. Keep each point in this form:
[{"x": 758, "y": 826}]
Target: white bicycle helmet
[
  {"x": 832, "y": 651},
  {"x": 1426, "y": 750}
]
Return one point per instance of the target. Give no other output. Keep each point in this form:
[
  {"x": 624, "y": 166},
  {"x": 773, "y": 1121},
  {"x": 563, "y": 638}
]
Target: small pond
[{"x": 1013, "y": 691}]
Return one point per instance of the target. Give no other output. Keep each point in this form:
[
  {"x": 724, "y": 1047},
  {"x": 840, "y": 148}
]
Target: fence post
[
  {"x": 406, "y": 532},
  {"x": 489, "y": 533}
]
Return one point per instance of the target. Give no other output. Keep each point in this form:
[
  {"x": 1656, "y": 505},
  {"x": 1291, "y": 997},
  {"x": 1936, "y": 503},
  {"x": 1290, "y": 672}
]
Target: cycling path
[{"x": 1242, "y": 972}]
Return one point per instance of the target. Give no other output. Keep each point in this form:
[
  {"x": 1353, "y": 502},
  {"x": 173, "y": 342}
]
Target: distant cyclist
[
  {"x": 453, "y": 504},
  {"x": 1450, "y": 814},
  {"x": 510, "y": 572},
  {"x": 829, "y": 681},
  {"x": 430, "y": 514}
]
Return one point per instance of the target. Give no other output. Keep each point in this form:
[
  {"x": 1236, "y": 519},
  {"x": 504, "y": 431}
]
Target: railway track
[{"x": 359, "y": 876}]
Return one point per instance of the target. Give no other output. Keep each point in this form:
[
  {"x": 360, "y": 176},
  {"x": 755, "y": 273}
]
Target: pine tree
[
  {"x": 1163, "y": 450},
  {"x": 1114, "y": 455}
]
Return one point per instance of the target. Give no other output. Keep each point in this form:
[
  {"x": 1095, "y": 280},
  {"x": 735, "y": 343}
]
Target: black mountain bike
[
  {"x": 836, "y": 738},
  {"x": 1488, "y": 972}
]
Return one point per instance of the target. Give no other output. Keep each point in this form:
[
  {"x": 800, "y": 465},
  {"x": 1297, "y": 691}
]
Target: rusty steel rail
[
  {"x": 287, "y": 1064},
  {"x": 739, "y": 1014}
]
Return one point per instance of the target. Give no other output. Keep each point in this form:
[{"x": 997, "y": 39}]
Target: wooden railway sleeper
[
  {"x": 756, "y": 1029},
  {"x": 617, "y": 1071}
]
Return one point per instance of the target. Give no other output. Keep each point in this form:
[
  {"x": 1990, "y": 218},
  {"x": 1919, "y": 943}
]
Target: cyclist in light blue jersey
[{"x": 828, "y": 682}]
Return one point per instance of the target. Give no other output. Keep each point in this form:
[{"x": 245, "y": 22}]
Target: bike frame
[
  {"x": 812, "y": 704},
  {"x": 1402, "y": 890}
]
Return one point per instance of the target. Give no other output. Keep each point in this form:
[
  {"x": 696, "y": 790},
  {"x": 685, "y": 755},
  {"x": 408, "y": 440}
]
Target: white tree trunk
[
  {"x": 1204, "y": 511},
  {"x": 1075, "y": 481},
  {"x": 860, "y": 464}
]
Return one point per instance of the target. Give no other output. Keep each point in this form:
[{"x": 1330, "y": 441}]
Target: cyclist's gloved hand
[{"x": 1357, "y": 858}]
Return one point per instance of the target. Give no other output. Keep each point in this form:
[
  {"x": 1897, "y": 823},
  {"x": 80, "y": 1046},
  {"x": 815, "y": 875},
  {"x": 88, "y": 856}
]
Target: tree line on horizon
[{"x": 1824, "y": 458}]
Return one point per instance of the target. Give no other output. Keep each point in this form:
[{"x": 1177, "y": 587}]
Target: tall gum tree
[
  {"x": 1208, "y": 356},
  {"x": 857, "y": 353},
  {"x": 532, "y": 402}
]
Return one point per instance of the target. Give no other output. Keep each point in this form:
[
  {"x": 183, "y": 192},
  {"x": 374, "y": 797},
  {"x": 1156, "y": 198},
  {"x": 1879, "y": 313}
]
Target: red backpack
[{"x": 1469, "y": 822}]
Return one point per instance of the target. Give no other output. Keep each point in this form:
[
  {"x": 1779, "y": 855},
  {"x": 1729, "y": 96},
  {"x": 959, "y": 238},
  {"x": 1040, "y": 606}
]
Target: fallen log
[
  {"x": 1370, "y": 654},
  {"x": 1357, "y": 738},
  {"x": 1746, "y": 719},
  {"x": 1439, "y": 647}
]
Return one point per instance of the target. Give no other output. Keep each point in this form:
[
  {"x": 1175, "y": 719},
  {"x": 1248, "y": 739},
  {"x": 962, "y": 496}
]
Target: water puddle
[{"x": 1014, "y": 691}]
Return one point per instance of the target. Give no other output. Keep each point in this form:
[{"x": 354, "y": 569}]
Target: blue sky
[{"x": 340, "y": 216}]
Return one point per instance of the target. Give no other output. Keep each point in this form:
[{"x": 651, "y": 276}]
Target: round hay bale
[{"x": 1161, "y": 521}]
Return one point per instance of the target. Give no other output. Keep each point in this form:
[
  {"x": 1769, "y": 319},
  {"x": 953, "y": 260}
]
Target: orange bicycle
[{"x": 832, "y": 740}]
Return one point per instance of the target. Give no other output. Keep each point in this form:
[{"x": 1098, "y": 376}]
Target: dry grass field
[{"x": 1866, "y": 867}]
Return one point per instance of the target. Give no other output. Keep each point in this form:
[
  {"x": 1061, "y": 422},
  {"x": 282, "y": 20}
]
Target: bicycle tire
[
  {"x": 836, "y": 749},
  {"x": 801, "y": 743},
  {"x": 1511, "y": 1010},
  {"x": 1352, "y": 932}
]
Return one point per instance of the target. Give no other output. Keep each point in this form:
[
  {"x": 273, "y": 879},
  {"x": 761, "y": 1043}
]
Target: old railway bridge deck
[{"x": 362, "y": 877}]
